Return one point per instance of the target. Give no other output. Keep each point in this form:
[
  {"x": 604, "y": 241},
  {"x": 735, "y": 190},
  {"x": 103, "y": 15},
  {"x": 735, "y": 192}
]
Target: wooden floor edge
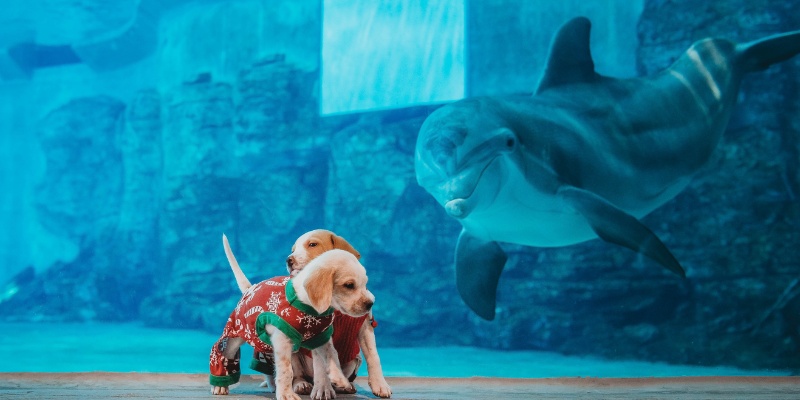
[{"x": 574, "y": 381}]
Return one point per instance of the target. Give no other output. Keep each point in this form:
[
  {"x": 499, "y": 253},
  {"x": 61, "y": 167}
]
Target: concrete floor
[{"x": 195, "y": 386}]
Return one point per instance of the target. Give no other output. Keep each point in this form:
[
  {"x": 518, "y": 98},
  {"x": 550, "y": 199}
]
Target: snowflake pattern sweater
[
  {"x": 345, "y": 336},
  {"x": 271, "y": 302}
]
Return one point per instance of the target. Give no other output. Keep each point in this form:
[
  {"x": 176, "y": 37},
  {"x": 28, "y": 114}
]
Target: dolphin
[{"x": 585, "y": 157}]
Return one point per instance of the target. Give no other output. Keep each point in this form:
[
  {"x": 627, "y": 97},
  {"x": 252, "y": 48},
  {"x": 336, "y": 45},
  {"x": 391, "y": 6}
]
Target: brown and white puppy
[
  {"x": 334, "y": 279},
  {"x": 313, "y": 243},
  {"x": 305, "y": 249}
]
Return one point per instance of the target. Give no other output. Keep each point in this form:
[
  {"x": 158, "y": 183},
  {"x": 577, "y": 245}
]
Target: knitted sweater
[
  {"x": 274, "y": 302},
  {"x": 345, "y": 336},
  {"x": 271, "y": 302}
]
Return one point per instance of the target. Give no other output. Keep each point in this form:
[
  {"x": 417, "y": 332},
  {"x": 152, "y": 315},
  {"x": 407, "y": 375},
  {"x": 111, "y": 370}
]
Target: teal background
[{"x": 133, "y": 134}]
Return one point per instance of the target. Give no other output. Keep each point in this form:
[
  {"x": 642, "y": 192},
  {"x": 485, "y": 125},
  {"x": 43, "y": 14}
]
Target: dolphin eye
[{"x": 505, "y": 141}]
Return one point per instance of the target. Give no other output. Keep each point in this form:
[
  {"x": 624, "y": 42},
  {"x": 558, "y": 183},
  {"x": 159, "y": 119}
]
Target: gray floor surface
[{"x": 195, "y": 386}]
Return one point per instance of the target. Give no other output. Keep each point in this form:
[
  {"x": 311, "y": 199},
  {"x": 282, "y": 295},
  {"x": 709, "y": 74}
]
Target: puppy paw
[
  {"x": 301, "y": 386},
  {"x": 347, "y": 389},
  {"x": 380, "y": 388},
  {"x": 342, "y": 385},
  {"x": 219, "y": 390},
  {"x": 323, "y": 392},
  {"x": 287, "y": 395}
]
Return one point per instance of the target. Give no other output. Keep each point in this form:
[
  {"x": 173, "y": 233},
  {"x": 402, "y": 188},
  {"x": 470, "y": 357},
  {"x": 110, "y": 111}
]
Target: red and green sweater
[
  {"x": 271, "y": 302},
  {"x": 345, "y": 336}
]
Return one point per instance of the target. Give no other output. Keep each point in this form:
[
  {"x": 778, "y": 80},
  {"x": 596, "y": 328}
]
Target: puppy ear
[
  {"x": 341, "y": 244},
  {"x": 319, "y": 286}
]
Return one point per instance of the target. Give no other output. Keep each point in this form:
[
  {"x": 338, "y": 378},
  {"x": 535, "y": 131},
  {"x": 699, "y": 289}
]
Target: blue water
[
  {"x": 133, "y": 348},
  {"x": 134, "y": 134}
]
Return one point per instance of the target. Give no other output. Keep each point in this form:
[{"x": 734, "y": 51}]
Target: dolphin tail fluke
[
  {"x": 616, "y": 226},
  {"x": 760, "y": 54},
  {"x": 478, "y": 267},
  {"x": 241, "y": 279}
]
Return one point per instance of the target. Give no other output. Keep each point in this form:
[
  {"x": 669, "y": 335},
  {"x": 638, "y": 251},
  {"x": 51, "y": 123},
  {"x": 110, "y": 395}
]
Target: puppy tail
[{"x": 241, "y": 280}]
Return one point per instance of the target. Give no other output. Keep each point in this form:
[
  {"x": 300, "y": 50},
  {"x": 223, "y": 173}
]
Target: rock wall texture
[
  {"x": 736, "y": 225},
  {"x": 734, "y": 229},
  {"x": 148, "y": 186}
]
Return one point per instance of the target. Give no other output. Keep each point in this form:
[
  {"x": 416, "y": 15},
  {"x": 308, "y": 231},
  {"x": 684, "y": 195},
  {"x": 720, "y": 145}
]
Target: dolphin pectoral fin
[
  {"x": 616, "y": 226},
  {"x": 478, "y": 267}
]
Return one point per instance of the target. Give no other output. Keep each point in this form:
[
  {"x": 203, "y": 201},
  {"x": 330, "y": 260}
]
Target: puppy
[
  {"x": 283, "y": 314},
  {"x": 306, "y": 248},
  {"x": 311, "y": 244}
]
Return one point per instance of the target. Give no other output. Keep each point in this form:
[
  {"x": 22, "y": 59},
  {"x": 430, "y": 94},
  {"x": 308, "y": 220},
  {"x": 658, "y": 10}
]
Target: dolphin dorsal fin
[{"x": 570, "y": 59}]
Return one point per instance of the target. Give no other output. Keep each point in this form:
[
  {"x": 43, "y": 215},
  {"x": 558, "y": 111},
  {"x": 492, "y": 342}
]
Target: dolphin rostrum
[{"x": 585, "y": 157}]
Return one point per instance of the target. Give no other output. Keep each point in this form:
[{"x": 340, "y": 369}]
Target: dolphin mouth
[
  {"x": 457, "y": 208},
  {"x": 460, "y": 207}
]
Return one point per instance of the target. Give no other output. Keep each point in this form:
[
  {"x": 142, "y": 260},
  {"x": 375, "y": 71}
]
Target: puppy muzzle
[
  {"x": 290, "y": 263},
  {"x": 364, "y": 307},
  {"x": 358, "y": 308}
]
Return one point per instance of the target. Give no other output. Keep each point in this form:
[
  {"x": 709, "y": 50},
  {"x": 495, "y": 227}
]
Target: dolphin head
[{"x": 457, "y": 155}]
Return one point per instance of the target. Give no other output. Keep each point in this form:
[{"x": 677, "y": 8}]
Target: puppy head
[
  {"x": 336, "y": 279},
  {"x": 311, "y": 244}
]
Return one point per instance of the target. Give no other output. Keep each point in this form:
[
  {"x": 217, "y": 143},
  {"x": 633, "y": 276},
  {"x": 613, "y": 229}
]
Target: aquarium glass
[{"x": 456, "y": 145}]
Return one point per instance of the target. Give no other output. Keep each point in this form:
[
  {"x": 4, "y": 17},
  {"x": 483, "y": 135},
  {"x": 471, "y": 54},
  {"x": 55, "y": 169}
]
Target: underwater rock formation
[
  {"x": 249, "y": 156},
  {"x": 732, "y": 228},
  {"x": 246, "y": 159},
  {"x": 79, "y": 199},
  {"x": 737, "y": 221},
  {"x": 199, "y": 201},
  {"x": 394, "y": 224}
]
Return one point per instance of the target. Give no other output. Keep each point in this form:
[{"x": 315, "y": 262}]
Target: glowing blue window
[{"x": 391, "y": 53}]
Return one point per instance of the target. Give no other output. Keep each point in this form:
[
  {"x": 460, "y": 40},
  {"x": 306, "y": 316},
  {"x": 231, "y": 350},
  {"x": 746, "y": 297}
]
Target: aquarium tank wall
[{"x": 134, "y": 134}]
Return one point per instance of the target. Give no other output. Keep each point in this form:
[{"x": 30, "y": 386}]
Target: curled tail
[
  {"x": 241, "y": 280},
  {"x": 760, "y": 54}
]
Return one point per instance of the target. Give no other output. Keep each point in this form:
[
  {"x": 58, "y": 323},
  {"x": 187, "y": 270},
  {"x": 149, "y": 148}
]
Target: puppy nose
[
  {"x": 368, "y": 304},
  {"x": 290, "y": 262}
]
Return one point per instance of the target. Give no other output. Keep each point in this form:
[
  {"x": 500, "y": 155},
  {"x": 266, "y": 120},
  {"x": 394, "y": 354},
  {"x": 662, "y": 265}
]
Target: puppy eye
[
  {"x": 312, "y": 244},
  {"x": 350, "y": 285}
]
